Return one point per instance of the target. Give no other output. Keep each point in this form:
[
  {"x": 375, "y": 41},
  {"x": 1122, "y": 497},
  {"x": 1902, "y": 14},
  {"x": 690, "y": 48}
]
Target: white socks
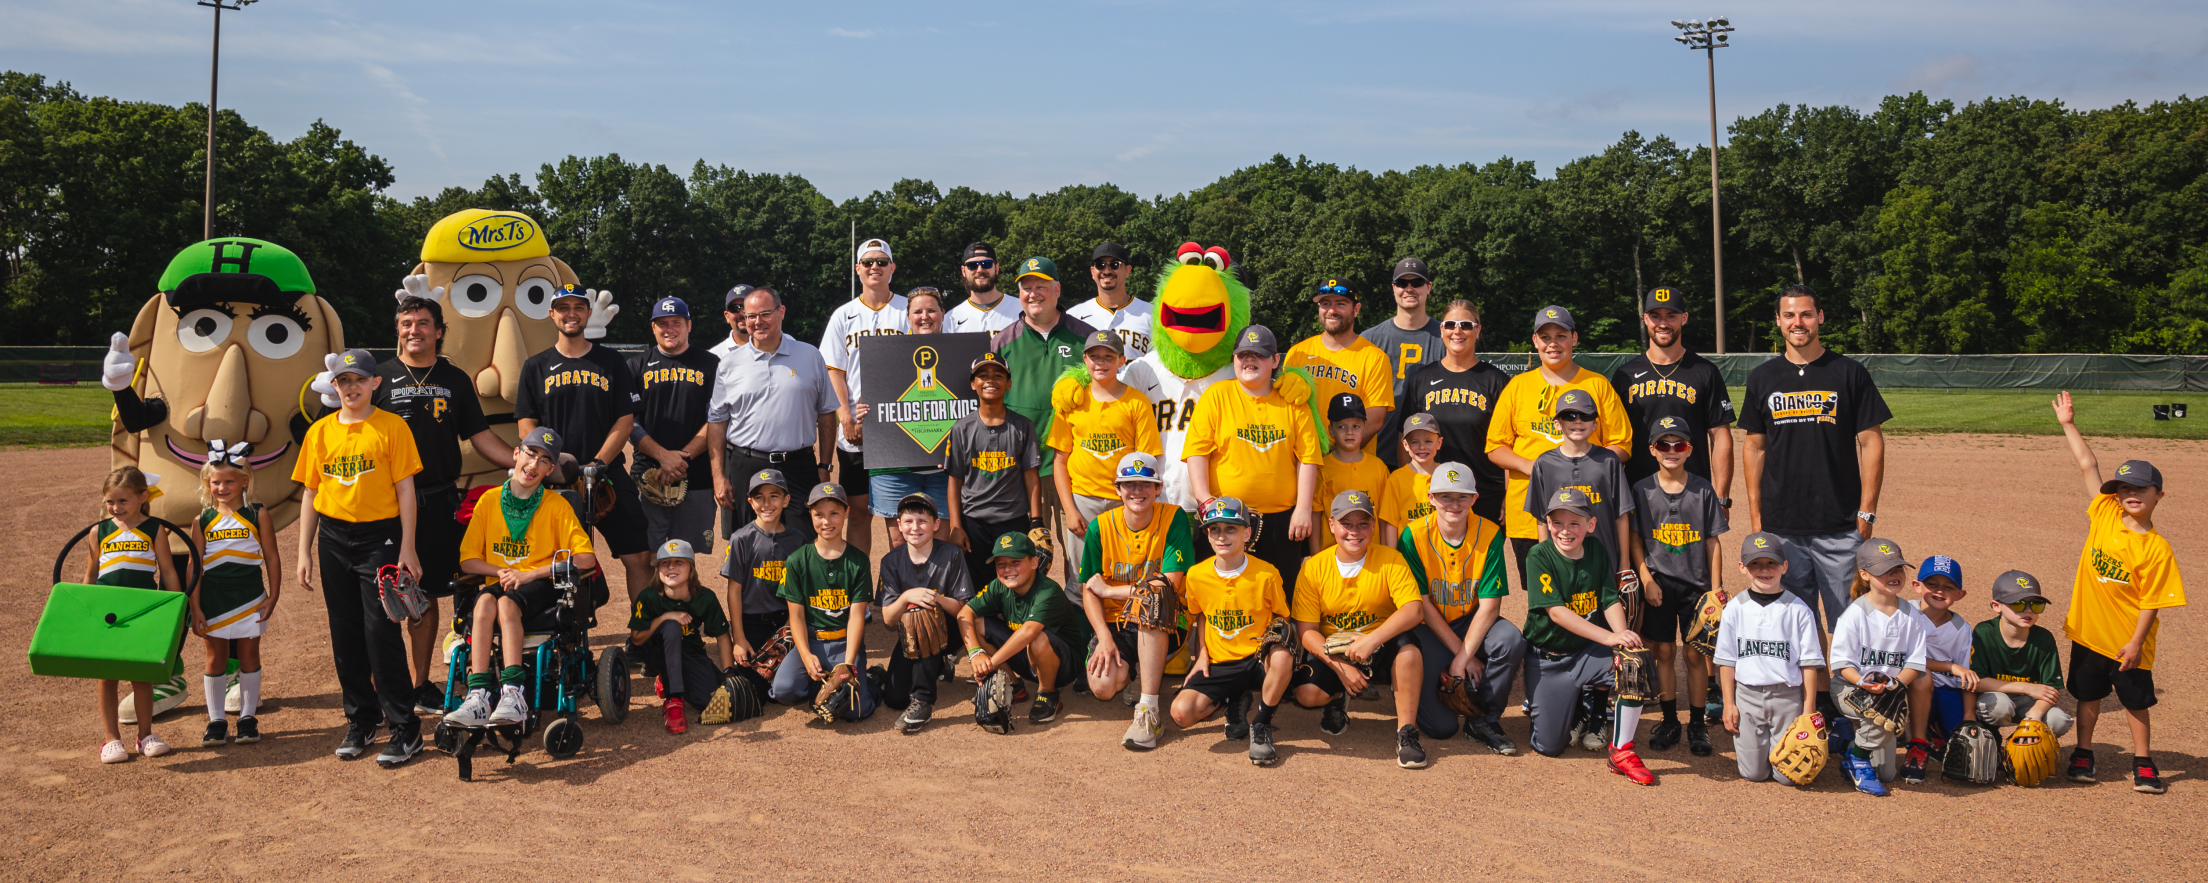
[
  {"x": 1149, "y": 701},
  {"x": 213, "y": 686},
  {"x": 249, "y": 693},
  {"x": 1629, "y": 723}
]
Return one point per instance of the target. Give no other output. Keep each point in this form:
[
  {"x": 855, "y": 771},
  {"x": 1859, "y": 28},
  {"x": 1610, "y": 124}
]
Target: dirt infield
[{"x": 785, "y": 797}]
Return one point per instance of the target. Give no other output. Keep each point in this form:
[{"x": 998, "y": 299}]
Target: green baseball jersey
[
  {"x": 828, "y": 588},
  {"x": 2037, "y": 662},
  {"x": 1044, "y": 602},
  {"x": 1035, "y": 361},
  {"x": 1586, "y": 585},
  {"x": 707, "y": 619}
]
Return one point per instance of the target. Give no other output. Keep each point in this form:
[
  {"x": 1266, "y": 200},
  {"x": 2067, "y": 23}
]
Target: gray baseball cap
[
  {"x": 2137, "y": 473},
  {"x": 675, "y": 549},
  {"x": 1553, "y": 315},
  {"x": 1452, "y": 478},
  {"x": 2014, "y": 586},
  {"x": 827, "y": 490},
  {"x": 1225, "y": 510},
  {"x": 1570, "y": 499},
  {"x": 766, "y": 477},
  {"x": 1350, "y": 501},
  {"x": 1878, "y": 555},
  {"x": 1421, "y": 422},
  {"x": 361, "y": 363},
  {"x": 544, "y": 439},
  {"x": 1575, "y": 401},
  {"x": 1139, "y": 466},
  {"x": 1668, "y": 426},
  {"x": 1257, "y": 340},
  {"x": 1106, "y": 340},
  {"x": 1762, "y": 544}
]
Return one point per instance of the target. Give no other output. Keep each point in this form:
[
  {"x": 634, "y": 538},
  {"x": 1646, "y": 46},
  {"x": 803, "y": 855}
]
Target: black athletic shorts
[
  {"x": 437, "y": 536},
  {"x": 1230, "y": 679},
  {"x": 1311, "y": 670},
  {"x": 996, "y": 632},
  {"x": 1123, "y": 637},
  {"x": 623, "y": 528},
  {"x": 2093, "y": 677},
  {"x": 535, "y": 598},
  {"x": 1666, "y": 623},
  {"x": 850, "y": 472}
]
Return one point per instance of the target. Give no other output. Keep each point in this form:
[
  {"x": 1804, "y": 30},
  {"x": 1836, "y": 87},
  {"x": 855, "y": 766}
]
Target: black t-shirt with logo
[
  {"x": 675, "y": 393},
  {"x": 439, "y": 404},
  {"x": 1809, "y": 416},
  {"x": 1691, "y": 390},
  {"x": 1463, "y": 402},
  {"x": 579, "y": 398}
]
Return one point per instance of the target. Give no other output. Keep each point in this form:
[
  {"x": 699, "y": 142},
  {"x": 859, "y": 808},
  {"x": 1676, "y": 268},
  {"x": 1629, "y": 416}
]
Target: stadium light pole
[
  {"x": 1709, "y": 37},
  {"x": 214, "y": 70}
]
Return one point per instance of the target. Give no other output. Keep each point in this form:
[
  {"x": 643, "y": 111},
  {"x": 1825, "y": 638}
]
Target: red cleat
[
  {"x": 1628, "y": 764},
  {"x": 677, "y": 725},
  {"x": 659, "y": 687}
]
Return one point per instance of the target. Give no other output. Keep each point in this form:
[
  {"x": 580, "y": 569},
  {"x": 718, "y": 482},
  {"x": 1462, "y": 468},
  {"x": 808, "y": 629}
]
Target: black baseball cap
[
  {"x": 989, "y": 358},
  {"x": 1257, "y": 340},
  {"x": 1664, "y": 297},
  {"x": 1110, "y": 249},
  {"x": 2137, "y": 473},
  {"x": 1576, "y": 401},
  {"x": 1344, "y": 407},
  {"x": 1410, "y": 267},
  {"x": 1335, "y": 287},
  {"x": 977, "y": 250},
  {"x": 358, "y": 361}
]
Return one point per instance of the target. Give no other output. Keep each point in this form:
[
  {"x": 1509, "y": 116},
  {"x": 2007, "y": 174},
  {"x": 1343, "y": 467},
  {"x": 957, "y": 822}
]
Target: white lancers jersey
[
  {"x": 1945, "y": 643},
  {"x": 1872, "y": 642},
  {"x": 839, "y": 347},
  {"x": 1131, "y": 323},
  {"x": 1768, "y": 644},
  {"x": 969, "y": 317},
  {"x": 1174, "y": 398}
]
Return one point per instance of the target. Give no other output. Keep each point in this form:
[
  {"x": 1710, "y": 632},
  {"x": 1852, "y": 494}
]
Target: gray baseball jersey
[
  {"x": 991, "y": 463},
  {"x": 1601, "y": 475},
  {"x": 1675, "y": 530}
]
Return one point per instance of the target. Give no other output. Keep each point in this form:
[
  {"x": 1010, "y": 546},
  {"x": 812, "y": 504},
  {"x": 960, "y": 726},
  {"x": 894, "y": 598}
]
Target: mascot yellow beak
[{"x": 1193, "y": 308}]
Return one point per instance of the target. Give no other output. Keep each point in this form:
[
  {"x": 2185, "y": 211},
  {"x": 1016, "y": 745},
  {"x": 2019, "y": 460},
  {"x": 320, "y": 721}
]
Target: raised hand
[
  {"x": 117, "y": 366},
  {"x": 602, "y": 311}
]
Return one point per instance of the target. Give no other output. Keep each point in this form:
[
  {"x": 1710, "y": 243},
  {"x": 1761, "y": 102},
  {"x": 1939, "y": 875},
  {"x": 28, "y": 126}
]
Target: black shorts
[
  {"x": 996, "y": 632},
  {"x": 1230, "y": 679},
  {"x": 2093, "y": 677},
  {"x": 1310, "y": 670},
  {"x": 535, "y": 598},
  {"x": 850, "y": 472},
  {"x": 623, "y": 528},
  {"x": 437, "y": 537},
  {"x": 1666, "y": 623},
  {"x": 1123, "y": 637}
]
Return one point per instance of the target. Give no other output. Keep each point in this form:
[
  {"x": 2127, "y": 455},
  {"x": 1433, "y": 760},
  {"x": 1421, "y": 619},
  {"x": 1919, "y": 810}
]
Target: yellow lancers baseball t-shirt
[
  {"x": 1358, "y": 602},
  {"x": 1402, "y": 499},
  {"x": 2120, "y": 573},
  {"x": 1254, "y": 443},
  {"x": 354, "y": 468},
  {"x": 1525, "y": 422},
  {"x": 553, "y": 527},
  {"x": 1097, "y": 433},
  {"x": 1360, "y": 368},
  {"x": 1335, "y": 476},
  {"x": 1236, "y": 610}
]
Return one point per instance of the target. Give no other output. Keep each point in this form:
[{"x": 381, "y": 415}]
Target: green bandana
[{"x": 518, "y": 511}]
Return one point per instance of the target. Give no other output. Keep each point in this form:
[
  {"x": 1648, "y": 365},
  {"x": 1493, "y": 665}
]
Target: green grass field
[{"x": 77, "y": 416}]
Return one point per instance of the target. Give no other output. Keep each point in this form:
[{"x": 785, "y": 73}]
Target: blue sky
[{"x": 1028, "y": 97}]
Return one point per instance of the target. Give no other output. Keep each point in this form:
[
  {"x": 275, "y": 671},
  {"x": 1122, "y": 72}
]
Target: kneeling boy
[
  {"x": 1022, "y": 622},
  {"x": 1127, "y": 545},
  {"x": 1368, "y": 591},
  {"x": 920, "y": 575},
  {"x": 1767, "y": 653},
  {"x": 511, "y": 538},
  {"x": 1236, "y": 597},
  {"x": 2018, "y": 666},
  {"x": 827, "y": 589},
  {"x": 1569, "y": 580}
]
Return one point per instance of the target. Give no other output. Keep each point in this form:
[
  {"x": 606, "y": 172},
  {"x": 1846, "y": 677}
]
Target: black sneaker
[
  {"x": 357, "y": 738},
  {"x": 2145, "y": 779},
  {"x": 1408, "y": 753},
  {"x": 1334, "y": 718},
  {"x": 1490, "y": 734},
  {"x": 1238, "y": 716},
  {"x": 1698, "y": 739},
  {"x": 249, "y": 730},
  {"x": 916, "y": 715},
  {"x": 1261, "y": 745},
  {"x": 218, "y": 732},
  {"x": 400, "y": 748},
  {"x": 2081, "y": 767},
  {"x": 429, "y": 698},
  {"x": 1045, "y": 708},
  {"x": 1665, "y": 736}
]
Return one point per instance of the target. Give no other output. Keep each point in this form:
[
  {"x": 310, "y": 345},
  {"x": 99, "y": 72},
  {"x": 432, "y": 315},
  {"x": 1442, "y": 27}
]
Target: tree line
[{"x": 2003, "y": 225}]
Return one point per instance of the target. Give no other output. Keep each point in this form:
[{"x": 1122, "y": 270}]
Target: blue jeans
[
  {"x": 886, "y": 488},
  {"x": 794, "y": 686}
]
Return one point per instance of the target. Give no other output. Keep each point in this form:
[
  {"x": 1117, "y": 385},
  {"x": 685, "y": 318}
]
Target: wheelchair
[{"x": 560, "y": 674}]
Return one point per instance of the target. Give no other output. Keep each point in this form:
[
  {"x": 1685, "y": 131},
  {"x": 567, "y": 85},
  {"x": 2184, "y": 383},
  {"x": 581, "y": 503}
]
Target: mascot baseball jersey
[
  {"x": 1235, "y": 609},
  {"x": 354, "y": 468}
]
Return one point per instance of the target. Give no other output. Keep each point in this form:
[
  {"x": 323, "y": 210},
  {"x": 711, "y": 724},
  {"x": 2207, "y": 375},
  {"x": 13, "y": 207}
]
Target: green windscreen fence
[{"x": 49, "y": 364}]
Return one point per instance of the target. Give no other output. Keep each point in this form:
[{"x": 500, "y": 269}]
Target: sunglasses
[
  {"x": 874, "y": 262},
  {"x": 1674, "y": 447},
  {"x": 1458, "y": 324},
  {"x": 1574, "y": 417},
  {"x": 2029, "y": 606},
  {"x": 1342, "y": 290},
  {"x": 1411, "y": 283},
  {"x": 980, "y": 265},
  {"x": 1109, "y": 264}
]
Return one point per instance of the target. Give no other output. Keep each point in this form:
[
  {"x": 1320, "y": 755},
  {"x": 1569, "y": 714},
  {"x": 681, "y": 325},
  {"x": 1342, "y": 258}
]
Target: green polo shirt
[{"x": 1036, "y": 361}]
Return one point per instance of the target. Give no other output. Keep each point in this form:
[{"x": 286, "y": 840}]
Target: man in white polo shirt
[
  {"x": 1115, "y": 308},
  {"x": 876, "y": 311}
]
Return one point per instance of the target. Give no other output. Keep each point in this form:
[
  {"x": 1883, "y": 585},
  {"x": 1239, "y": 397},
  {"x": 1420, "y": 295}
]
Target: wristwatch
[
  {"x": 1726, "y": 502},
  {"x": 1870, "y": 518}
]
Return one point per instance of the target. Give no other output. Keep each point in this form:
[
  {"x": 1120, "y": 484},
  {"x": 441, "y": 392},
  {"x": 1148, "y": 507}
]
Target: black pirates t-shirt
[
  {"x": 1809, "y": 416},
  {"x": 1691, "y": 390},
  {"x": 439, "y": 404},
  {"x": 674, "y": 394},
  {"x": 578, "y": 397},
  {"x": 1463, "y": 402}
]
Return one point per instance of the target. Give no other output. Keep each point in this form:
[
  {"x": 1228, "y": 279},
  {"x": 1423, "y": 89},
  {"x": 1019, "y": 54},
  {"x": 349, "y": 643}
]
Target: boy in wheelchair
[{"x": 512, "y": 539}]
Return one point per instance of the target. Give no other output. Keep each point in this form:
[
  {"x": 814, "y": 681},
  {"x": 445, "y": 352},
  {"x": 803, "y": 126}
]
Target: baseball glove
[
  {"x": 1801, "y": 751},
  {"x": 2032, "y": 753},
  {"x": 733, "y": 700},
  {"x": 1633, "y": 674},
  {"x": 1709, "y": 614},
  {"x": 1281, "y": 633},
  {"x": 1337, "y": 646},
  {"x": 1461, "y": 697},
  {"x": 993, "y": 702},
  {"x": 1153, "y": 604},
  {"x": 839, "y": 693},
  {"x": 659, "y": 493},
  {"x": 1887, "y": 710},
  {"x": 402, "y": 595},
  {"x": 1045, "y": 551},
  {"x": 1974, "y": 754},
  {"x": 768, "y": 657},
  {"x": 927, "y": 631}
]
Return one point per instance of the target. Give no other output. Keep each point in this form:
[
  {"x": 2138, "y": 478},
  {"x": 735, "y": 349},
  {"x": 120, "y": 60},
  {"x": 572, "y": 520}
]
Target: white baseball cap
[
  {"x": 1139, "y": 466},
  {"x": 1452, "y": 478},
  {"x": 880, "y": 245}
]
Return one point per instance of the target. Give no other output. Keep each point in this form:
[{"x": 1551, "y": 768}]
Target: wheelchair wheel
[
  {"x": 446, "y": 738},
  {"x": 563, "y": 738},
  {"x": 613, "y": 684}
]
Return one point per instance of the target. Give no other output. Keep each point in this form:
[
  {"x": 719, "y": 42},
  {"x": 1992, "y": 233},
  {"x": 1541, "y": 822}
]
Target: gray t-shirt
[
  {"x": 1406, "y": 350},
  {"x": 945, "y": 572},
  {"x": 755, "y": 560},
  {"x": 991, "y": 463},
  {"x": 1673, "y": 529},
  {"x": 1600, "y": 474}
]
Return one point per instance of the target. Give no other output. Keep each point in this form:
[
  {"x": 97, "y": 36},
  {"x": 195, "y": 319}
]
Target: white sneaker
[
  {"x": 475, "y": 713},
  {"x": 512, "y": 708},
  {"x": 167, "y": 695},
  {"x": 1143, "y": 732}
]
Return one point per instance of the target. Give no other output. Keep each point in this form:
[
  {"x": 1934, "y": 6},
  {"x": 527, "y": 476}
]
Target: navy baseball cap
[
  {"x": 670, "y": 306},
  {"x": 1941, "y": 565},
  {"x": 1224, "y": 510},
  {"x": 735, "y": 296},
  {"x": 1345, "y": 406}
]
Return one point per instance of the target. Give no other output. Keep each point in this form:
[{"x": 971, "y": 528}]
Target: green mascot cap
[{"x": 235, "y": 270}]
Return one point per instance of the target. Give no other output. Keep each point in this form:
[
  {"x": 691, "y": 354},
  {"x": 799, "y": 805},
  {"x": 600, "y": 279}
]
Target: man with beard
[
  {"x": 583, "y": 392},
  {"x": 1339, "y": 361},
  {"x": 1670, "y": 381},
  {"x": 986, "y": 309},
  {"x": 1116, "y": 309},
  {"x": 732, "y": 310}
]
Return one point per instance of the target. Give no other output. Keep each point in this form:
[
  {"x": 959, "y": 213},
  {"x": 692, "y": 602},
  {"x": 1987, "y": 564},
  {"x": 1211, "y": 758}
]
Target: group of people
[{"x": 1343, "y": 528}]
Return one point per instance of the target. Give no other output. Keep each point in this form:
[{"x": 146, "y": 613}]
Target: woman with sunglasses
[{"x": 1460, "y": 391}]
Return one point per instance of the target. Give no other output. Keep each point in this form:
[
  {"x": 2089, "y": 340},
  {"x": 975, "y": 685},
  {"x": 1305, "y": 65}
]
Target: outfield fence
[{"x": 34, "y": 364}]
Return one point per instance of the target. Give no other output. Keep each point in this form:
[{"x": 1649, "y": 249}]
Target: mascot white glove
[
  {"x": 418, "y": 286},
  {"x": 322, "y": 382},
  {"x": 116, "y": 367},
  {"x": 602, "y": 312}
]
